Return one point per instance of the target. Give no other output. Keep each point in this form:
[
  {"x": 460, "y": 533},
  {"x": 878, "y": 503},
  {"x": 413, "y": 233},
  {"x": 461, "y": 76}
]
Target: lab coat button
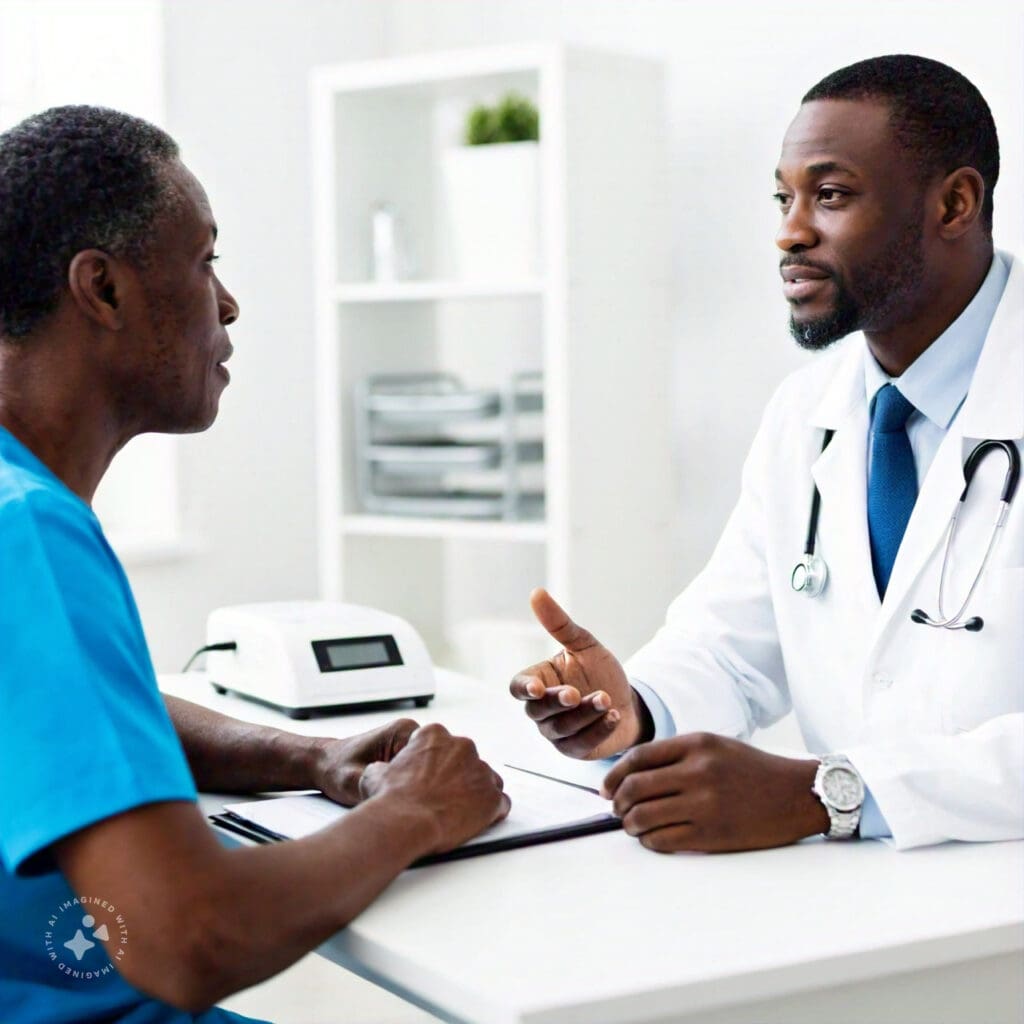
[{"x": 880, "y": 681}]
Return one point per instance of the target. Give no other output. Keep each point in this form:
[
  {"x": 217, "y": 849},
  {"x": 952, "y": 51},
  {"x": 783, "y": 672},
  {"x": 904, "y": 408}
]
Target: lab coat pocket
[{"x": 990, "y": 679}]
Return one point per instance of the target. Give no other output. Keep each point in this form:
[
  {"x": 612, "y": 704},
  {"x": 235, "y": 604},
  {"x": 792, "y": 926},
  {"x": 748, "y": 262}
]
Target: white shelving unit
[{"x": 595, "y": 322}]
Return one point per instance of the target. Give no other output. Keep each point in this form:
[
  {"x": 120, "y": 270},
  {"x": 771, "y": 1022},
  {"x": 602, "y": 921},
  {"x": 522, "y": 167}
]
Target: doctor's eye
[
  {"x": 830, "y": 195},
  {"x": 781, "y": 199}
]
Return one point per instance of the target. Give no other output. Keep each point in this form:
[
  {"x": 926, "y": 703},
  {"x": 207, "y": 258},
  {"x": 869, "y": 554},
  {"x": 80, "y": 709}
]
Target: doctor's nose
[{"x": 795, "y": 231}]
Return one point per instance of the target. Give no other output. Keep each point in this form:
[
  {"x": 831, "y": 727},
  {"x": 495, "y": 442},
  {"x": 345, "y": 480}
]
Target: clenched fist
[{"x": 441, "y": 778}]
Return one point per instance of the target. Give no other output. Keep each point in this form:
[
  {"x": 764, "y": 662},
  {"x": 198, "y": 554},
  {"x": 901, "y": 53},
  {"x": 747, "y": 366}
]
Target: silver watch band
[{"x": 843, "y": 823}]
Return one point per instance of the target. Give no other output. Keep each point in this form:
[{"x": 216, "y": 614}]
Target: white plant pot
[{"x": 492, "y": 198}]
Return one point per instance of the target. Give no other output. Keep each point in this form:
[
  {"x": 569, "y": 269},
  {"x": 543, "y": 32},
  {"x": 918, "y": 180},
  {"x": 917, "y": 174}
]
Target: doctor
[{"x": 884, "y": 188}]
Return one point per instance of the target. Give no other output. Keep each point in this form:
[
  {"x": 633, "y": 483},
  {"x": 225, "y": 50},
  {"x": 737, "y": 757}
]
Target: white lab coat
[{"x": 932, "y": 718}]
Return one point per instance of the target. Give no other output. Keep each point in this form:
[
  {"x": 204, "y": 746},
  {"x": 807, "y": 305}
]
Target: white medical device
[{"x": 303, "y": 657}]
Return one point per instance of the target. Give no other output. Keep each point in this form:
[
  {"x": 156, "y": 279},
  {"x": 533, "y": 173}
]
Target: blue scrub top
[{"x": 84, "y": 734}]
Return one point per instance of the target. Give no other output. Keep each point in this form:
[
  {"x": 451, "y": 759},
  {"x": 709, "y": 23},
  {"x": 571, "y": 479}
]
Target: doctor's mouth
[{"x": 801, "y": 281}]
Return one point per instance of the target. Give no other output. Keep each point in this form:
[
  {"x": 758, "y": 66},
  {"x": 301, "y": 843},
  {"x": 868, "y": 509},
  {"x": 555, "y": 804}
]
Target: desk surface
[{"x": 600, "y": 929}]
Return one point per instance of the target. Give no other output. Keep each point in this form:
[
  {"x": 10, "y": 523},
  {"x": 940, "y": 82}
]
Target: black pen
[
  {"x": 231, "y": 818},
  {"x": 552, "y": 778}
]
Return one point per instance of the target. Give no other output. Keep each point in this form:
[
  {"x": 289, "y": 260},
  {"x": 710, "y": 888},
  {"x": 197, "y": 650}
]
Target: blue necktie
[{"x": 892, "y": 487}]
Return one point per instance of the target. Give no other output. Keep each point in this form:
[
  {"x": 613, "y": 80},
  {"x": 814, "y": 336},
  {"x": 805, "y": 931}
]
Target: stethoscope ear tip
[{"x": 972, "y": 625}]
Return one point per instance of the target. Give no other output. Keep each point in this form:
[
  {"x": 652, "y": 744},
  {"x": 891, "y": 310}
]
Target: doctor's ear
[
  {"x": 96, "y": 281},
  {"x": 961, "y": 197}
]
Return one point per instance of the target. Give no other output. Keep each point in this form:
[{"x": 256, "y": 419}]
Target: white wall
[
  {"x": 106, "y": 52},
  {"x": 736, "y": 70}
]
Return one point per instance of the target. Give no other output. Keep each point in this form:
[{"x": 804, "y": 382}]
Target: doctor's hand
[
  {"x": 341, "y": 762},
  {"x": 439, "y": 782},
  {"x": 580, "y": 698},
  {"x": 710, "y": 793}
]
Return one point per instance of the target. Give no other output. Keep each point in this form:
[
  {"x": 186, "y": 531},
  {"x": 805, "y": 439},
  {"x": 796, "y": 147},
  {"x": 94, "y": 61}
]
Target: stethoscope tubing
[
  {"x": 1010, "y": 482},
  {"x": 811, "y": 573}
]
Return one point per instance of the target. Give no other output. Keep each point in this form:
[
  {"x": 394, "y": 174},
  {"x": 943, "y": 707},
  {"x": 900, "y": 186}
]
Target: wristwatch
[{"x": 838, "y": 786}]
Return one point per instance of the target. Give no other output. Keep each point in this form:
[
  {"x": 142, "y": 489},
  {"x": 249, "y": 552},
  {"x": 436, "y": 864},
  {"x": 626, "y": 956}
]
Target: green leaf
[{"x": 513, "y": 119}]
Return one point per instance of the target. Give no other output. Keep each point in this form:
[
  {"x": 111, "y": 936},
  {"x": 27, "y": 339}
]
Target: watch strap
[{"x": 844, "y": 824}]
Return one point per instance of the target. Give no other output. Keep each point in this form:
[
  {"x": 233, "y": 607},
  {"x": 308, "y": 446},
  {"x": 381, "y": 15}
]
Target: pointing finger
[{"x": 556, "y": 621}]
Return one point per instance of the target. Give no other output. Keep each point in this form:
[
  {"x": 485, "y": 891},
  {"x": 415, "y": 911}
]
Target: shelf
[
  {"x": 461, "y": 529},
  {"x": 593, "y": 316},
  {"x": 435, "y": 291}
]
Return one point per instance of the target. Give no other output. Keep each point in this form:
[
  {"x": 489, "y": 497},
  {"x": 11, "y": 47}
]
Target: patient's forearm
[
  {"x": 265, "y": 921},
  {"x": 230, "y": 756},
  {"x": 206, "y": 921}
]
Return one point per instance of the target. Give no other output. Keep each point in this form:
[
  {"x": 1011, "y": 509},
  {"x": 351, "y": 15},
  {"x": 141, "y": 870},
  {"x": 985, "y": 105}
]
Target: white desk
[{"x": 600, "y": 930}]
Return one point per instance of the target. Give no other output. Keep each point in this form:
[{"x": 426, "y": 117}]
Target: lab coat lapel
[
  {"x": 994, "y": 408},
  {"x": 840, "y": 473}
]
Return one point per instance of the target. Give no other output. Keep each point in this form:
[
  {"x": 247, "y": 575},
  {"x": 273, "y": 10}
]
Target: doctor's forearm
[{"x": 229, "y": 756}]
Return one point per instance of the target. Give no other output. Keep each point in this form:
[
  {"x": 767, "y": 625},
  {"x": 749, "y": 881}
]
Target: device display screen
[{"x": 356, "y": 652}]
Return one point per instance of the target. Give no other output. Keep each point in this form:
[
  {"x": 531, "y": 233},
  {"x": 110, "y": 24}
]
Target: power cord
[{"x": 229, "y": 645}]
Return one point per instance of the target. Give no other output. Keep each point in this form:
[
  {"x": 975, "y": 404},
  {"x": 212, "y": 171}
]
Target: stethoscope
[{"x": 810, "y": 574}]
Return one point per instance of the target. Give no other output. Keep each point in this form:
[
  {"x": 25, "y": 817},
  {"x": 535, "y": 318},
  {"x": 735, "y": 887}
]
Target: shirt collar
[{"x": 936, "y": 382}]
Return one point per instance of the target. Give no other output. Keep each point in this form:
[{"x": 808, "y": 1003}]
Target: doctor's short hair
[
  {"x": 74, "y": 178},
  {"x": 937, "y": 115}
]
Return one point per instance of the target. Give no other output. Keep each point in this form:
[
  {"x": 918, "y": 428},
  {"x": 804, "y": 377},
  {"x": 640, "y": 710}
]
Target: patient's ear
[{"x": 96, "y": 281}]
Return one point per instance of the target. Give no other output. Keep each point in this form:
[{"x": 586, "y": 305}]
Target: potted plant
[{"x": 492, "y": 192}]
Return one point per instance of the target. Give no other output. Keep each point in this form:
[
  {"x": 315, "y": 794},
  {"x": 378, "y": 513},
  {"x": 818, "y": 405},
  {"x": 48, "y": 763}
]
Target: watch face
[{"x": 843, "y": 789}]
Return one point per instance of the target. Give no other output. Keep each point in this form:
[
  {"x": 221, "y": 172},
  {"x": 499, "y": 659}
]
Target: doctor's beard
[{"x": 874, "y": 294}]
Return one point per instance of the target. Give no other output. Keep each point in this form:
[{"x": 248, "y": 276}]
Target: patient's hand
[
  {"x": 343, "y": 761},
  {"x": 439, "y": 779}
]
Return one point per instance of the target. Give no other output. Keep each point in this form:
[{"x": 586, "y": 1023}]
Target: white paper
[{"x": 537, "y": 804}]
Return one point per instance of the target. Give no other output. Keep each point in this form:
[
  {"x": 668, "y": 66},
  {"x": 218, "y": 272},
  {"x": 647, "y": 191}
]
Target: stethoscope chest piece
[{"x": 809, "y": 576}]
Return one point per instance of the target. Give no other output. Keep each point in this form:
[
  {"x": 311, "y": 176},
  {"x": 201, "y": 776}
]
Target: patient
[{"x": 113, "y": 323}]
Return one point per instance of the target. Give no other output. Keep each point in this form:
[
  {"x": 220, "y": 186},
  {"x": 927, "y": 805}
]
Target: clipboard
[{"x": 545, "y": 810}]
